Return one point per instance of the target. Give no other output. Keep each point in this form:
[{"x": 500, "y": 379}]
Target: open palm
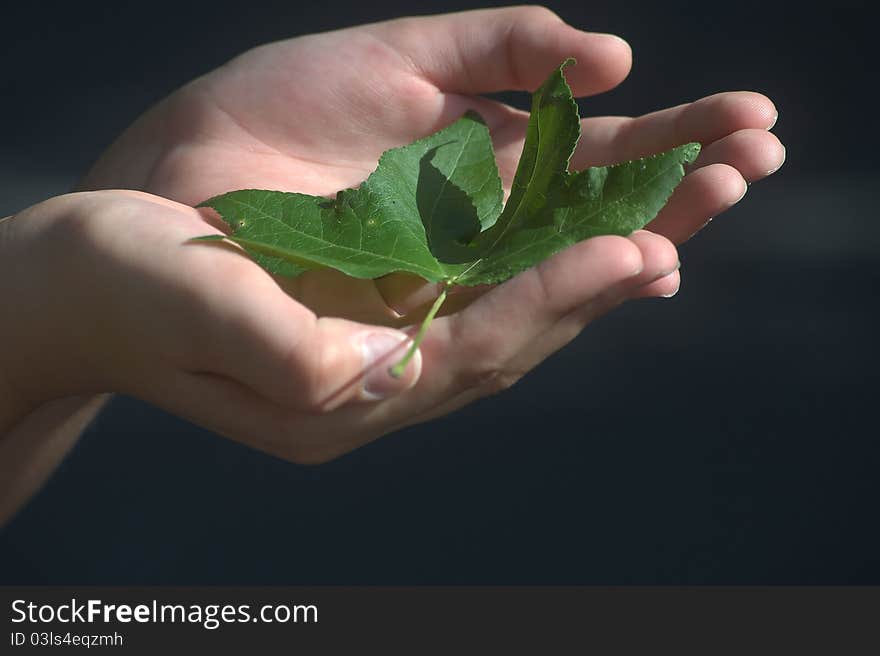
[{"x": 313, "y": 114}]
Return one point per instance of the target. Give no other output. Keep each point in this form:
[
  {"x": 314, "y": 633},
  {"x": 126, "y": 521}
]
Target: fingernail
[
  {"x": 743, "y": 194},
  {"x": 618, "y": 38},
  {"x": 773, "y": 122},
  {"x": 779, "y": 166},
  {"x": 674, "y": 291},
  {"x": 381, "y": 350}
]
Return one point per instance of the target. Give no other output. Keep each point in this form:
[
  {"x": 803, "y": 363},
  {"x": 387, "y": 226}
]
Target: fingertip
[
  {"x": 665, "y": 287},
  {"x": 604, "y": 61},
  {"x": 780, "y": 159},
  {"x": 749, "y": 109},
  {"x": 668, "y": 286},
  {"x": 618, "y": 54},
  {"x": 704, "y": 193},
  {"x": 744, "y": 188},
  {"x": 609, "y": 258},
  {"x": 754, "y": 152},
  {"x": 767, "y": 108},
  {"x": 487, "y": 50},
  {"x": 380, "y": 351},
  {"x": 629, "y": 261},
  {"x": 723, "y": 185},
  {"x": 659, "y": 255},
  {"x": 576, "y": 275}
]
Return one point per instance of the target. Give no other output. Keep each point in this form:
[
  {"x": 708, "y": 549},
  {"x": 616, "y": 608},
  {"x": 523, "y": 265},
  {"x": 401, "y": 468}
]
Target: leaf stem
[{"x": 398, "y": 369}]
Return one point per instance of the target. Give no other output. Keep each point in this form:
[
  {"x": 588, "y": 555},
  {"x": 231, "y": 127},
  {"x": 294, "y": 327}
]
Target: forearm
[
  {"x": 36, "y": 431},
  {"x": 12, "y": 406},
  {"x": 31, "y": 451}
]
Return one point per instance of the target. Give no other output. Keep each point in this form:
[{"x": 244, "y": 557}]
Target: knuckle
[
  {"x": 73, "y": 227},
  {"x": 478, "y": 349},
  {"x": 484, "y": 360},
  {"x": 478, "y": 361},
  {"x": 544, "y": 289},
  {"x": 553, "y": 299},
  {"x": 484, "y": 370},
  {"x": 314, "y": 364},
  {"x": 308, "y": 374},
  {"x": 488, "y": 381},
  {"x": 81, "y": 233},
  {"x": 630, "y": 258},
  {"x": 411, "y": 92},
  {"x": 475, "y": 377}
]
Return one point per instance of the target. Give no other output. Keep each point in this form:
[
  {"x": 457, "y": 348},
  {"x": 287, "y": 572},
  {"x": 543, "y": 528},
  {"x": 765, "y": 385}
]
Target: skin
[{"x": 202, "y": 332}]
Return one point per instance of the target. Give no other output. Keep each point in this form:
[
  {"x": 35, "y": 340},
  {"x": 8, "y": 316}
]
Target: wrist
[
  {"x": 13, "y": 406},
  {"x": 37, "y": 352}
]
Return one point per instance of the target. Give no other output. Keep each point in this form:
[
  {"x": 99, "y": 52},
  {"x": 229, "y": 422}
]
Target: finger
[
  {"x": 660, "y": 262},
  {"x": 264, "y": 339},
  {"x": 471, "y": 348},
  {"x": 309, "y": 438},
  {"x": 659, "y": 259},
  {"x": 665, "y": 287},
  {"x": 330, "y": 293},
  {"x": 702, "y": 194},
  {"x": 659, "y": 255},
  {"x": 410, "y": 297},
  {"x": 612, "y": 139},
  {"x": 509, "y": 48},
  {"x": 754, "y": 153},
  {"x": 403, "y": 292}
]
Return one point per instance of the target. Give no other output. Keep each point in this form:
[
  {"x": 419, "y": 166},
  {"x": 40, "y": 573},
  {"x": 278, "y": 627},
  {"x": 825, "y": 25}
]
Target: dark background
[{"x": 724, "y": 436}]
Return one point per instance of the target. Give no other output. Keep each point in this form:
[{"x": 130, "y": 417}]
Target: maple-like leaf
[
  {"x": 417, "y": 212},
  {"x": 433, "y": 208}
]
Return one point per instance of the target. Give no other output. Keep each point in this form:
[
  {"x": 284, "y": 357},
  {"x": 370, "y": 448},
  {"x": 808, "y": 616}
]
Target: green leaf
[
  {"x": 434, "y": 208},
  {"x": 553, "y": 130},
  {"x": 550, "y": 209},
  {"x": 417, "y": 212},
  {"x": 613, "y": 200}
]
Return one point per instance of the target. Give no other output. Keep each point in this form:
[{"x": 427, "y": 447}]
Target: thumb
[
  {"x": 348, "y": 361},
  {"x": 316, "y": 366},
  {"x": 488, "y": 50}
]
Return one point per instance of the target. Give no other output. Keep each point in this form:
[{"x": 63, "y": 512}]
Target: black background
[{"x": 724, "y": 436}]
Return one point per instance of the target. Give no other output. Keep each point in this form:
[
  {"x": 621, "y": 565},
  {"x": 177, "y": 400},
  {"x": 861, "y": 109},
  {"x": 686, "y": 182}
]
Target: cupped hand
[
  {"x": 313, "y": 114},
  {"x": 111, "y": 294}
]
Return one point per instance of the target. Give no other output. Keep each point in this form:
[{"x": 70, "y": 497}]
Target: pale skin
[{"x": 109, "y": 297}]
